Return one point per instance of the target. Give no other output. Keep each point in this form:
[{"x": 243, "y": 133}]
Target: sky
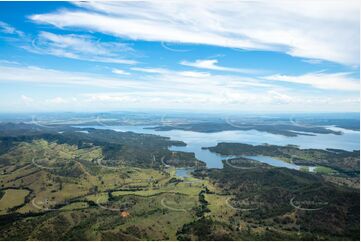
[{"x": 232, "y": 56}]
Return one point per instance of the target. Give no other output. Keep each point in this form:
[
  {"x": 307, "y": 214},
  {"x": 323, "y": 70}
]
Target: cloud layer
[
  {"x": 164, "y": 88},
  {"x": 331, "y": 81},
  {"x": 212, "y": 65},
  {"x": 309, "y": 29},
  {"x": 187, "y": 66}
]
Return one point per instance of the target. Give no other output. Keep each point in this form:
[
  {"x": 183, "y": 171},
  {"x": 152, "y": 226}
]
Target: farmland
[{"x": 86, "y": 189}]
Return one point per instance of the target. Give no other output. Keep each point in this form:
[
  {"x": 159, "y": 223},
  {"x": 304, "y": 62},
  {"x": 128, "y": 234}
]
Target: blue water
[
  {"x": 272, "y": 161},
  {"x": 349, "y": 140}
]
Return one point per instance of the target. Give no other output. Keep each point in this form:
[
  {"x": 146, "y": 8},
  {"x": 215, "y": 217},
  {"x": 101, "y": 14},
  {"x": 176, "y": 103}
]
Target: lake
[{"x": 349, "y": 140}]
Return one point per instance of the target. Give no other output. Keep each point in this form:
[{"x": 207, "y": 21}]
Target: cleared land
[
  {"x": 11, "y": 199},
  {"x": 82, "y": 188}
]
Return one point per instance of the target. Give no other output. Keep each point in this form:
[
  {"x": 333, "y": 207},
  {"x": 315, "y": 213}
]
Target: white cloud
[
  {"x": 196, "y": 86},
  {"x": 308, "y": 29},
  {"x": 26, "y": 99},
  {"x": 164, "y": 88},
  {"x": 8, "y": 29},
  {"x": 57, "y": 100},
  {"x": 195, "y": 74},
  {"x": 312, "y": 61},
  {"x": 280, "y": 97},
  {"x": 120, "y": 72},
  {"x": 150, "y": 70},
  {"x": 201, "y": 79},
  {"x": 332, "y": 81},
  {"x": 212, "y": 65},
  {"x": 33, "y": 74},
  {"x": 163, "y": 71},
  {"x": 274, "y": 99},
  {"x": 9, "y": 62},
  {"x": 82, "y": 47}
]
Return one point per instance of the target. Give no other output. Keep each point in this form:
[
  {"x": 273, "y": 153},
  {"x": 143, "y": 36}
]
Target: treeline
[
  {"x": 345, "y": 162},
  {"x": 143, "y": 150},
  {"x": 324, "y": 210}
]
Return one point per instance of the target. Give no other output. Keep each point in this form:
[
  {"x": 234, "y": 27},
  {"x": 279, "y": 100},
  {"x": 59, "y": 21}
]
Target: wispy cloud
[
  {"x": 312, "y": 61},
  {"x": 120, "y": 72},
  {"x": 155, "y": 82},
  {"x": 164, "y": 88},
  {"x": 82, "y": 47},
  {"x": 8, "y": 29},
  {"x": 308, "y": 29},
  {"x": 73, "y": 46},
  {"x": 9, "y": 62},
  {"x": 203, "y": 80},
  {"x": 60, "y": 100},
  {"x": 212, "y": 65},
  {"x": 150, "y": 70},
  {"x": 321, "y": 80},
  {"x": 26, "y": 100},
  {"x": 163, "y": 71},
  {"x": 275, "y": 99},
  {"x": 38, "y": 75},
  {"x": 195, "y": 74}
]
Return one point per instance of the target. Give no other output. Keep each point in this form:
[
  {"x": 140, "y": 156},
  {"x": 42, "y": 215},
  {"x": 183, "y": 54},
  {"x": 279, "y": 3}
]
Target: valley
[{"x": 84, "y": 183}]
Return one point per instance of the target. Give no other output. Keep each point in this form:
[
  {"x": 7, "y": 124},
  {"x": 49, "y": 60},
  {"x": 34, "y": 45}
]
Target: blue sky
[{"x": 261, "y": 56}]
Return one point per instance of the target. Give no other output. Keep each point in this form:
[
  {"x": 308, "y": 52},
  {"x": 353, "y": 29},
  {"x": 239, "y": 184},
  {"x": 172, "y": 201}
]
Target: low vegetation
[{"x": 106, "y": 185}]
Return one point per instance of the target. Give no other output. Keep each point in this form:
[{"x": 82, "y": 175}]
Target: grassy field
[
  {"x": 70, "y": 185},
  {"x": 324, "y": 170},
  {"x": 66, "y": 190},
  {"x": 12, "y": 198}
]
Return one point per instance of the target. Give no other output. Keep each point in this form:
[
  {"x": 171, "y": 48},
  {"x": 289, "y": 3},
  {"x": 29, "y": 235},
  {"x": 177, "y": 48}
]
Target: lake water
[
  {"x": 349, "y": 140},
  {"x": 275, "y": 162}
]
